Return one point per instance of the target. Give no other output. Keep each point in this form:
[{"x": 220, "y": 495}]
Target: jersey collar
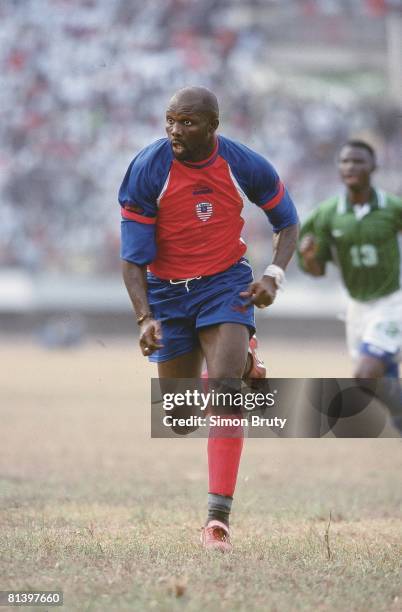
[{"x": 377, "y": 200}]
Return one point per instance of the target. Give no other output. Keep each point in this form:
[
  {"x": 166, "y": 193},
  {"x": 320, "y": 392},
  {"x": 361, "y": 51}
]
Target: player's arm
[
  {"x": 269, "y": 193},
  {"x": 135, "y": 279},
  {"x": 284, "y": 245},
  {"x": 262, "y": 292},
  {"x": 308, "y": 248},
  {"x": 313, "y": 249},
  {"x": 138, "y": 247}
]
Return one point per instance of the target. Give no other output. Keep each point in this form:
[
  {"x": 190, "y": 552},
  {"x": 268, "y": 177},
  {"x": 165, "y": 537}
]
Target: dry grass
[{"x": 92, "y": 505}]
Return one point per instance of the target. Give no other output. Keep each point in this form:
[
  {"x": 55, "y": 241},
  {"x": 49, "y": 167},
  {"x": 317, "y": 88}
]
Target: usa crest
[{"x": 204, "y": 210}]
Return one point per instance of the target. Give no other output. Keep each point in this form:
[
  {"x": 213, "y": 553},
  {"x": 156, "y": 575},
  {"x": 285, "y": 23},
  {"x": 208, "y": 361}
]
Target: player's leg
[
  {"x": 184, "y": 366},
  {"x": 393, "y": 394},
  {"x": 171, "y": 373},
  {"x": 232, "y": 309},
  {"x": 372, "y": 352},
  {"x": 180, "y": 355},
  {"x": 225, "y": 348},
  {"x": 225, "y": 323},
  {"x": 255, "y": 367},
  {"x": 378, "y": 356},
  {"x": 386, "y": 371},
  {"x": 368, "y": 366}
]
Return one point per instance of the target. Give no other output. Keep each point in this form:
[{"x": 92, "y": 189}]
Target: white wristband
[{"x": 277, "y": 273}]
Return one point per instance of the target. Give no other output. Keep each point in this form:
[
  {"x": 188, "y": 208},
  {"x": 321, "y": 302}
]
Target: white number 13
[{"x": 364, "y": 255}]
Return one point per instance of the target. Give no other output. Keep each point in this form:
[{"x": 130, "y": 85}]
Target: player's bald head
[{"x": 195, "y": 100}]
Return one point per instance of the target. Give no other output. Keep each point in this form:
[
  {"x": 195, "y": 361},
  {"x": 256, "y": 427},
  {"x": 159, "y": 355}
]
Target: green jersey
[{"x": 361, "y": 240}]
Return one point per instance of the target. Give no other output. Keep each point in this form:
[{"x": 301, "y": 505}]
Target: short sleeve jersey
[
  {"x": 184, "y": 219},
  {"x": 361, "y": 240}
]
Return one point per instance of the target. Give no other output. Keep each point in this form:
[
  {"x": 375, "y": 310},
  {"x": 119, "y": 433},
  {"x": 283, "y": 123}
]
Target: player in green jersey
[{"x": 358, "y": 232}]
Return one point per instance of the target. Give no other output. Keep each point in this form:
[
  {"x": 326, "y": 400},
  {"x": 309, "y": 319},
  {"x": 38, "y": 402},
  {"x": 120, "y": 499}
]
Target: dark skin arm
[
  {"x": 135, "y": 280},
  {"x": 262, "y": 293},
  {"x": 308, "y": 250}
]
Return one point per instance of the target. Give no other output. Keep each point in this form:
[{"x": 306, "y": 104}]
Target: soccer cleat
[
  {"x": 215, "y": 536},
  {"x": 257, "y": 373},
  {"x": 258, "y": 369}
]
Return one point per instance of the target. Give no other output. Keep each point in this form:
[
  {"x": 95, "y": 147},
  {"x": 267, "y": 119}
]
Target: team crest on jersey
[{"x": 204, "y": 210}]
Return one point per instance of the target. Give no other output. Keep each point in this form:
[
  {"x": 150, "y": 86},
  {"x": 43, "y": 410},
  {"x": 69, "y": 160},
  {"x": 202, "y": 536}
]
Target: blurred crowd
[{"x": 84, "y": 87}]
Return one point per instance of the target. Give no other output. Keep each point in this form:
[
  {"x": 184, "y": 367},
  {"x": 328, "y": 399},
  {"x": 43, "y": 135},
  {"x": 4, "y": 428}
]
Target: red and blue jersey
[{"x": 184, "y": 219}]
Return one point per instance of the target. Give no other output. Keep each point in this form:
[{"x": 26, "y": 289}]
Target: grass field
[{"x": 93, "y": 506}]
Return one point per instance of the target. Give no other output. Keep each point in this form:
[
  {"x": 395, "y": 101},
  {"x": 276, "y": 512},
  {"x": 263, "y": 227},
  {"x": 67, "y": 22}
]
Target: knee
[
  {"x": 222, "y": 372},
  {"x": 362, "y": 372},
  {"x": 369, "y": 368},
  {"x": 227, "y": 369}
]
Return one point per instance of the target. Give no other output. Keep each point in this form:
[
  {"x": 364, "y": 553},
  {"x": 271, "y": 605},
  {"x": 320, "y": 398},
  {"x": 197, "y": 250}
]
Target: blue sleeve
[
  {"x": 283, "y": 214},
  {"x": 137, "y": 243},
  {"x": 259, "y": 181},
  {"x": 145, "y": 178},
  {"x": 263, "y": 183},
  {"x": 138, "y": 198}
]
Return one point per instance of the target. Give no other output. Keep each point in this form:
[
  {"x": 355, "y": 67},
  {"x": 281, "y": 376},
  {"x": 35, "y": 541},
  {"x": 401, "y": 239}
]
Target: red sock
[{"x": 224, "y": 458}]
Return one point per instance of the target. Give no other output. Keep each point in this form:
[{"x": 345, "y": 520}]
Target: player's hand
[
  {"x": 261, "y": 293},
  {"x": 308, "y": 247},
  {"x": 150, "y": 336}
]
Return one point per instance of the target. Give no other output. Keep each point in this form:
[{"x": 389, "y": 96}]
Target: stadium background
[{"x": 83, "y": 86}]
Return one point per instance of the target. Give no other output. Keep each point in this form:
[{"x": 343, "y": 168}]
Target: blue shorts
[{"x": 183, "y": 308}]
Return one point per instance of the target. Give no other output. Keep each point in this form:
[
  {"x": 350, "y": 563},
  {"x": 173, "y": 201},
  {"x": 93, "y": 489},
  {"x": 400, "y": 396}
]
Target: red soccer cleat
[
  {"x": 258, "y": 369},
  {"x": 215, "y": 536}
]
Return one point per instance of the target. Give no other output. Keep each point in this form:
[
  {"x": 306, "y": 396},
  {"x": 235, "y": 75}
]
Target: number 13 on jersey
[{"x": 364, "y": 255}]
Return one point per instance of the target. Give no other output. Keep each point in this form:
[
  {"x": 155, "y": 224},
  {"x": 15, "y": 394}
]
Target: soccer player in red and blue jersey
[{"x": 181, "y": 202}]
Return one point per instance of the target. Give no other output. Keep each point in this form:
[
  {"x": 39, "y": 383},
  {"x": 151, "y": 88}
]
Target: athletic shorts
[
  {"x": 375, "y": 328},
  {"x": 185, "y": 307}
]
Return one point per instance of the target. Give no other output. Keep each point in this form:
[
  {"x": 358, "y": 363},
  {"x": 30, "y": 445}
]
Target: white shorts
[{"x": 377, "y": 323}]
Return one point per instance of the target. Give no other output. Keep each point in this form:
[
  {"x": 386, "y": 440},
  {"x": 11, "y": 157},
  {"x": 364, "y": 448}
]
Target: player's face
[
  {"x": 191, "y": 133},
  {"x": 355, "y": 167}
]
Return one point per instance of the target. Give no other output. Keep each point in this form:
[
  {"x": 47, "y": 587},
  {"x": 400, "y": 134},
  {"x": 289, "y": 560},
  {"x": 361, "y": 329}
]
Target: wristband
[
  {"x": 277, "y": 273},
  {"x": 142, "y": 318}
]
